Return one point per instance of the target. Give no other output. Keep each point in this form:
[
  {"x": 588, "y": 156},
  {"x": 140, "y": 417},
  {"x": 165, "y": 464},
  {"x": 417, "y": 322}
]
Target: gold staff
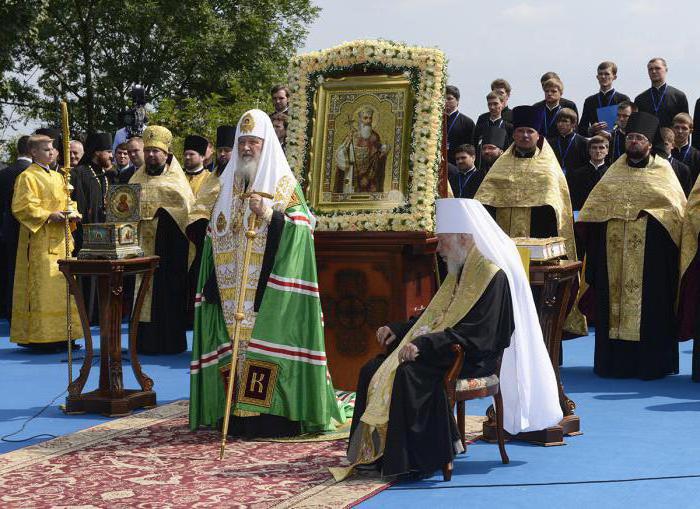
[
  {"x": 238, "y": 316},
  {"x": 68, "y": 188}
]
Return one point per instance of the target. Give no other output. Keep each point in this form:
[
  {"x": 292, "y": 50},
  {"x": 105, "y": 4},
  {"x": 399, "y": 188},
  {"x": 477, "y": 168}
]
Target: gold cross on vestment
[{"x": 628, "y": 208}]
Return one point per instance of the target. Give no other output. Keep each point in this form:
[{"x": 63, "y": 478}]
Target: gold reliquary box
[
  {"x": 542, "y": 250},
  {"x": 119, "y": 236}
]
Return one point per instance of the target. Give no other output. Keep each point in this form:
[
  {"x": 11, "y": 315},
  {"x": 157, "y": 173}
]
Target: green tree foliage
[
  {"x": 184, "y": 52},
  {"x": 203, "y": 116}
]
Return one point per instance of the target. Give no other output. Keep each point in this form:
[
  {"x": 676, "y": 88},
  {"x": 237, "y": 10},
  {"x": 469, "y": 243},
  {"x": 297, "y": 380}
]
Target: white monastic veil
[
  {"x": 528, "y": 384},
  {"x": 272, "y": 167}
]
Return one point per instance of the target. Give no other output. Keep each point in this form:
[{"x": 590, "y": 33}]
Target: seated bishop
[
  {"x": 282, "y": 382},
  {"x": 402, "y": 421}
]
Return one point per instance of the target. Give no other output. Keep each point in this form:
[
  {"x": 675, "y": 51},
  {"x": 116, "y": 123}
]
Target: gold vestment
[
  {"x": 39, "y": 293},
  {"x": 619, "y": 199},
  {"x": 171, "y": 192},
  {"x": 514, "y": 185}
]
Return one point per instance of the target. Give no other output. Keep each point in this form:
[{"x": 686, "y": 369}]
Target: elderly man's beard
[
  {"x": 247, "y": 168},
  {"x": 455, "y": 261},
  {"x": 365, "y": 130}
]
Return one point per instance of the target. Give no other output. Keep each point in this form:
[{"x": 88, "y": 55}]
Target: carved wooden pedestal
[
  {"x": 551, "y": 287},
  {"x": 369, "y": 279},
  {"x": 110, "y": 398}
]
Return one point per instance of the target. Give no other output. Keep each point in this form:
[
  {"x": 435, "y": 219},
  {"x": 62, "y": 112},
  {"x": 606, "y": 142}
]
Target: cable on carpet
[
  {"x": 554, "y": 483},
  {"x": 5, "y": 438}
]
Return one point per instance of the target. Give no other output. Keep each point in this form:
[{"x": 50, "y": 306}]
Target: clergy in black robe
[
  {"x": 606, "y": 74},
  {"x": 681, "y": 170},
  {"x": 589, "y": 116},
  {"x": 583, "y": 179},
  {"x": 464, "y": 177},
  {"x": 549, "y": 108},
  {"x": 195, "y": 147},
  {"x": 166, "y": 201},
  {"x": 225, "y": 137},
  {"x": 661, "y": 99},
  {"x": 460, "y": 128},
  {"x": 9, "y": 227},
  {"x": 617, "y": 138},
  {"x": 631, "y": 231},
  {"x": 570, "y": 148},
  {"x": 683, "y": 150},
  {"x": 493, "y": 143},
  {"x": 689, "y": 295},
  {"x": 503, "y": 89},
  {"x": 422, "y": 434},
  {"x": 492, "y": 118},
  {"x": 91, "y": 181}
]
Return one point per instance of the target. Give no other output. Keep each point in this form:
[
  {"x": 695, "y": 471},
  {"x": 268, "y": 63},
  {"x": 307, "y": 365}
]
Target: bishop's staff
[
  {"x": 250, "y": 235},
  {"x": 67, "y": 213}
]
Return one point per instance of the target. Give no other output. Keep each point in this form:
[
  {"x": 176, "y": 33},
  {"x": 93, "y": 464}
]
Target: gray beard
[
  {"x": 454, "y": 268},
  {"x": 246, "y": 169},
  {"x": 365, "y": 131}
]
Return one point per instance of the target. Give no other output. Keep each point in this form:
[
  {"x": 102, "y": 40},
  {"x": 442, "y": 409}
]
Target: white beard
[
  {"x": 455, "y": 262},
  {"x": 454, "y": 267},
  {"x": 365, "y": 131},
  {"x": 246, "y": 169}
]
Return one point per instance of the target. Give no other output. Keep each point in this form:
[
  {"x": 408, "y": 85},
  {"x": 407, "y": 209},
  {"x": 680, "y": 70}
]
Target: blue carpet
[{"x": 639, "y": 438}]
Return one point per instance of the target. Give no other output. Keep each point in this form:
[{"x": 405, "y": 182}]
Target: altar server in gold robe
[
  {"x": 630, "y": 228},
  {"x": 527, "y": 194},
  {"x": 689, "y": 296},
  {"x": 39, "y": 296},
  {"x": 166, "y": 203}
]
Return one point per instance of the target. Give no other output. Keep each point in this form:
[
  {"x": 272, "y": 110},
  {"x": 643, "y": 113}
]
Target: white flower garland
[{"x": 426, "y": 130}]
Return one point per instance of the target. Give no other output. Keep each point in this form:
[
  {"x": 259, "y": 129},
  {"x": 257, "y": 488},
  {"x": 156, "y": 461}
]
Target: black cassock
[
  {"x": 9, "y": 233},
  {"x": 165, "y": 333},
  {"x": 691, "y": 156},
  {"x": 465, "y": 184},
  {"x": 656, "y": 353},
  {"x": 460, "y": 130},
  {"x": 571, "y": 150},
  {"x": 683, "y": 174},
  {"x": 543, "y": 221},
  {"x": 581, "y": 182},
  {"x": 90, "y": 185},
  {"x": 664, "y": 103},
  {"x": 422, "y": 430},
  {"x": 589, "y": 115}
]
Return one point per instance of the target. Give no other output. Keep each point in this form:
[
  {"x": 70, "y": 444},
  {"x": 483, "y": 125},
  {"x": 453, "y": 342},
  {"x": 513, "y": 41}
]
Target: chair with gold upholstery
[{"x": 460, "y": 390}]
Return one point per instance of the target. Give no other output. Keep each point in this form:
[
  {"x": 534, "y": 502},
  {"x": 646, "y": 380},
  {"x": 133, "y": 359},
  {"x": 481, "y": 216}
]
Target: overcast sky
[{"x": 520, "y": 40}]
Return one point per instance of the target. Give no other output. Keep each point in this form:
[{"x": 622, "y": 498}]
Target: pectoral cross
[{"x": 628, "y": 208}]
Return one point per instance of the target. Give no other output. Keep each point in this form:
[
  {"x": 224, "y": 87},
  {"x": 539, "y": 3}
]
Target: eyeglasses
[{"x": 636, "y": 137}]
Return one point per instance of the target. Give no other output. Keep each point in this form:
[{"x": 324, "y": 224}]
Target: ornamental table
[
  {"x": 551, "y": 286},
  {"x": 110, "y": 398}
]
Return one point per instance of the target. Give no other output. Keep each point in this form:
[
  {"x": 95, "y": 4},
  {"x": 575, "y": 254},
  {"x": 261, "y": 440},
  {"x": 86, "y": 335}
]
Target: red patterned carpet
[{"x": 152, "y": 460}]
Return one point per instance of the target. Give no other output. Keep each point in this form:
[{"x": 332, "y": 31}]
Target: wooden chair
[{"x": 460, "y": 390}]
